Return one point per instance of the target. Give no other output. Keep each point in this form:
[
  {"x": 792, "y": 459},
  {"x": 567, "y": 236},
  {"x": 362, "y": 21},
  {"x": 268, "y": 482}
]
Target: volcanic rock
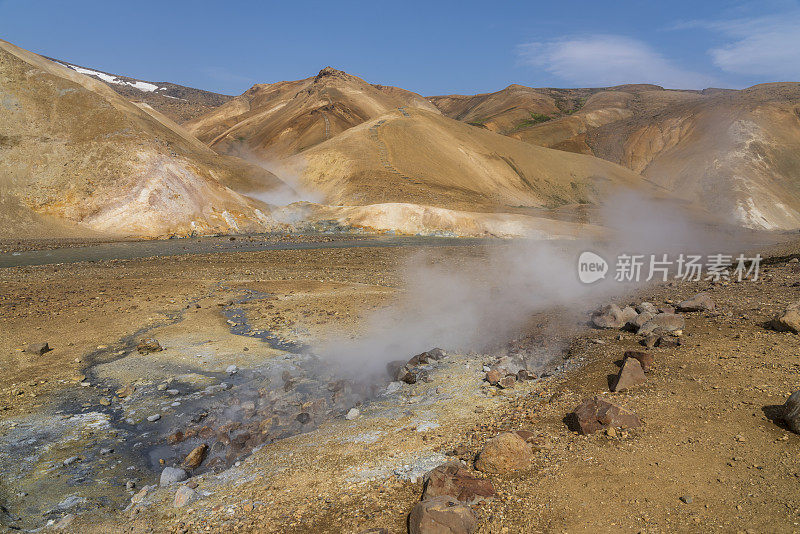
[
  {"x": 185, "y": 495},
  {"x": 648, "y": 307},
  {"x": 608, "y": 317},
  {"x": 172, "y": 475},
  {"x": 148, "y": 345},
  {"x": 38, "y": 348},
  {"x": 700, "y": 302},
  {"x": 644, "y": 358},
  {"x": 524, "y": 374},
  {"x": 353, "y": 413},
  {"x": 637, "y": 322},
  {"x": 596, "y": 414},
  {"x": 493, "y": 376},
  {"x": 663, "y": 323},
  {"x": 791, "y": 412},
  {"x": 668, "y": 342},
  {"x": 628, "y": 314},
  {"x": 630, "y": 375},
  {"x": 441, "y": 515},
  {"x": 788, "y": 320},
  {"x": 454, "y": 480},
  {"x": 196, "y": 457},
  {"x": 650, "y": 340},
  {"x": 504, "y": 453},
  {"x": 507, "y": 381}
]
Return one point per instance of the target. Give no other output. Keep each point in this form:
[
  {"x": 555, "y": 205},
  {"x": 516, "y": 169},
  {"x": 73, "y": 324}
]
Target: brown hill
[
  {"x": 284, "y": 118},
  {"x": 421, "y": 157},
  {"x": 733, "y": 153},
  {"x": 76, "y": 156}
]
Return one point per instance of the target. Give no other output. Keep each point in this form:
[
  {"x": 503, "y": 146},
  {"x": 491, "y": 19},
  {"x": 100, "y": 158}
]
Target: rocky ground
[{"x": 711, "y": 453}]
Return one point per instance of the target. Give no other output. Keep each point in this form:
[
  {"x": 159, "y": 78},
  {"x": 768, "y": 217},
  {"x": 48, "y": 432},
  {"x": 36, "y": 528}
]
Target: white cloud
[
  {"x": 763, "y": 46},
  {"x": 606, "y": 60}
]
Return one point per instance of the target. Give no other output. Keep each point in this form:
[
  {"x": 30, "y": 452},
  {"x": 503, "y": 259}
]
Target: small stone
[
  {"x": 130, "y": 485},
  {"x": 353, "y": 413},
  {"x": 700, "y": 302},
  {"x": 630, "y": 375},
  {"x": 596, "y": 414},
  {"x": 232, "y": 369},
  {"x": 172, "y": 392},
  {"x": 196, "y": 457},
  {"x": 504, "y": 453},
  {"x": 663, "y": 323},
  {"x": 162, "y": 387},
  {"x": 172, "y": 475},
  {"x": 104, "y": 401},
  {"x": 648, "y": 307},
  {"x": 441, "y": 515},
  {"x": 608, "y": 317},
  {"x": 524, "y": 374},
  {"x": 493, "y": 376},
  {"x": 650, "y": 341},
  {"x": 106, "y": 451},
  {"x": 687, "y": 499},
  {"x": 153, "y": 418},
  {"x": 38, "y": 349},
  {"x": 184, "y": 496},
  {"x": 507, "y": 381},
  {"x": 71, "y": 460},
  {"x": 148, "y": 345}
]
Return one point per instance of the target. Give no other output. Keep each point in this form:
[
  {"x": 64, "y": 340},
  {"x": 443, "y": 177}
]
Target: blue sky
[{"x": 428, "y": 47}]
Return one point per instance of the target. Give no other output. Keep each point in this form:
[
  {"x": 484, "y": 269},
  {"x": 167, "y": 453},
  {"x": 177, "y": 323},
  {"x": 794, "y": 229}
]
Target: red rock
[
  {"x": 507, "y": 381},
  {"x": 441, "y": 515},
  {"x": 493, "y": 376},
  {"x": 454, "y": 480},
  {"x": 644, "y": 358},
  {"x": 597, "y": 414},
  {"x": 630, "y": 375},
  {"x": 196, "y": 457},
  {"x": 504, "y": 453}
]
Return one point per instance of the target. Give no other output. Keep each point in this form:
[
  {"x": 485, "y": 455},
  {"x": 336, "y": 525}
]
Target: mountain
[
  {"x": 76, "y": 157},
  {"x": 177, "y": 102},
  {"x": 281, "y": 119},
  {"x": 731, "y": 152},
  {"x": 421, "y": 157}
]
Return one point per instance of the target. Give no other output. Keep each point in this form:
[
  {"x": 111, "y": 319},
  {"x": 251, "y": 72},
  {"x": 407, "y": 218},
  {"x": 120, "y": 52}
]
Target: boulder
[
  {"x": 38, "y": 349},
  {"x": 628, "y": 314},
  {"x": 663, "y": 323},
  {"x": 172, "y": 475},
  {"x": 504, "y": 453},
  {"x": 507, "y": 381},
  {"x": 441, "y": 515},
  {"x": 650, "y": 340},
  {"x": 668, "y": 342},
  {"x": 791, "y": 412},
  {"x": 630, "y": 375},
  {"x": 493, "y": 376},
  {"x": 788, "y": 320},
  {"x": 148, "y": 345},
  {"x": 596, "y": 414},
  {"x": 644, "y": 358},
  {"x": 608, "y": 317},
  {"x": 454, "y": 480},
  {"x": 700, "y": 302}
]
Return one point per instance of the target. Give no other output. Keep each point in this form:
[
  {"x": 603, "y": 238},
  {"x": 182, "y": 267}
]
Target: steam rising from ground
[{"x": 485, "y": 300}]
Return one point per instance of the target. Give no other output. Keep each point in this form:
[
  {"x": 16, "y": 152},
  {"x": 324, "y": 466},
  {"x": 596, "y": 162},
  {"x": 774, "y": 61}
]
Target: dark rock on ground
[
  {"x": 791, "y": 412},
  {"x": 507, "y": 381},
  {"x": 648, "y": 307},
  {"x": 637, "y": 322},
  {"x": 441, "y": 515},
  {"x": 454, "y": 480},
  {"x": 504, "y": 453},
  {"x": 668, "y": 342},
  {"x": 148, "y": 345},
  {"x": 596, "y": 414},
  {"x": 630, "y": 375},
  {"x": 38, "y": 349}
]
